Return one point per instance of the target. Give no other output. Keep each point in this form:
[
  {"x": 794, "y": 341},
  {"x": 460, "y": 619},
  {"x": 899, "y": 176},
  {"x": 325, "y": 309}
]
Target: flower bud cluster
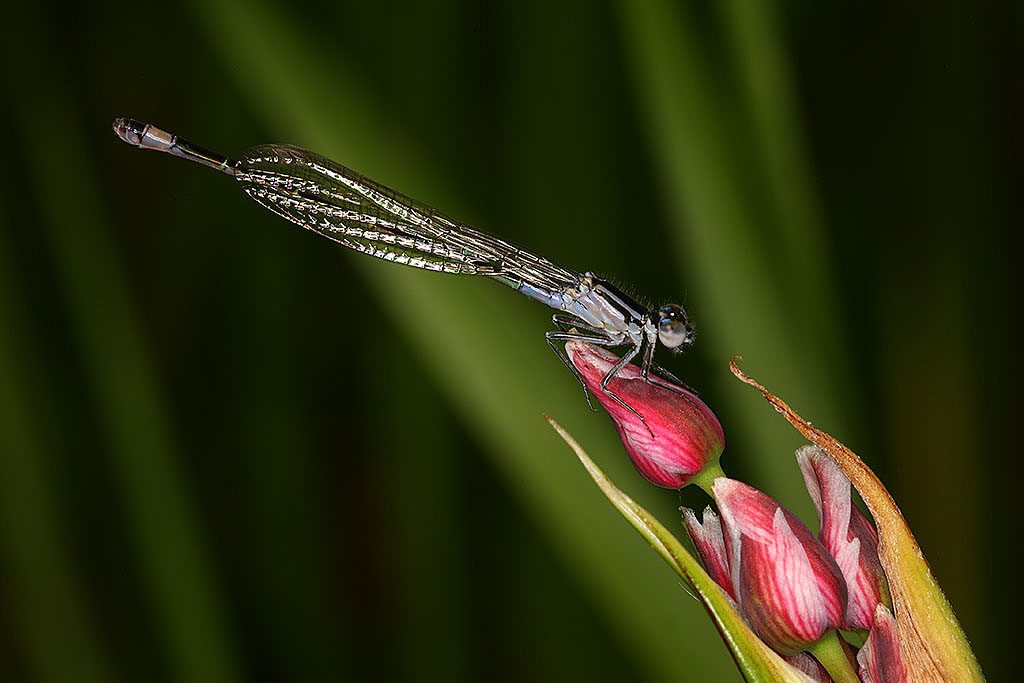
[{"x": 794, "y": 588}]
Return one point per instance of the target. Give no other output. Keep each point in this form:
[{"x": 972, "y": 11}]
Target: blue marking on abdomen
[{"x": 554, "y": 300}]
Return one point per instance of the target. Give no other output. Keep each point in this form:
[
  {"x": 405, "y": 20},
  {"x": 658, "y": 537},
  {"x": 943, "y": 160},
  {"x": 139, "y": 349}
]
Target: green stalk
[
  {"x": 830, "y": 653},
  {"x": 705, "y": 479}
]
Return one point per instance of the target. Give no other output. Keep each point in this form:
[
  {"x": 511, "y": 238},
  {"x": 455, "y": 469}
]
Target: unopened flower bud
[
  {"x": 787, "y": 585},
  {"x": 847, "y": 535},
  {"x": 678, "y": 436}
]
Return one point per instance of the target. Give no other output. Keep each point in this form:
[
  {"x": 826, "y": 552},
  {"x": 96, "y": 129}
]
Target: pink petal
[
  {"x": 681, "y": 434},
  {"x": 710, "y": 544},
  {"x": 787, "y": 585},
  {"x": 847, "y": 535},
  {"x": 880, "y": 660}
]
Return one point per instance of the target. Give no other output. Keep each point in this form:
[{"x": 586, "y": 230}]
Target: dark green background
[{"x": 230, "y": 452}]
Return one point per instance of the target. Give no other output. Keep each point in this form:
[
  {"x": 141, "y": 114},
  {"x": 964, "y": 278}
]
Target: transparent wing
[{"x": 344, "y": 206}]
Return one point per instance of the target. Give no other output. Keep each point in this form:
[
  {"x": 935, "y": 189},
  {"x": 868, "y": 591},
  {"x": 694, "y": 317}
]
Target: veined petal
[
  {"x": 880, "y": 660},
  {"x": 710, "y": 544},
  {"x": 847, "y": 535},
  {"x": 786, "y": 583},
  {"x": 932, "y": 644}
]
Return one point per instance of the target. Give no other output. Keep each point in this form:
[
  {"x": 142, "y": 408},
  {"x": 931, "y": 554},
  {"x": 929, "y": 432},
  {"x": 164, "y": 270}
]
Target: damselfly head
[
  {"x": 129, "y": 130},
  {"x": 674, "y": 328}
]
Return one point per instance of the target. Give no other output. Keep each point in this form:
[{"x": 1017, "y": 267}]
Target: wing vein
[{"x": 356, "y": 212}]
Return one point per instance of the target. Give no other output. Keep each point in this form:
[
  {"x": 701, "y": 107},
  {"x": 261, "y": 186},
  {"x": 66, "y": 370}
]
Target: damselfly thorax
[{"x": 361, "y": 214}]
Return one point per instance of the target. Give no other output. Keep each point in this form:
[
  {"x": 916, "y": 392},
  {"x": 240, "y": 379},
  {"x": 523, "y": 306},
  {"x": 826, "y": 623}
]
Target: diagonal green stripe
[
  {"x": 769, "y": 92},
  {"x": 720, "y": 237},
  {"x": 47, "y": 600}
]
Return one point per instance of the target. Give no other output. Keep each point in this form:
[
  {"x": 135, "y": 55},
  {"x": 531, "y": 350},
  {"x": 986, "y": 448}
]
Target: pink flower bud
[
  {"x": 681, "y": 435},
  {"x": 787, "y": 585},
  {"x": 710, "y": 544},
  {"x": 847, "y": 535},
  {"x": 880, "y": 660}
]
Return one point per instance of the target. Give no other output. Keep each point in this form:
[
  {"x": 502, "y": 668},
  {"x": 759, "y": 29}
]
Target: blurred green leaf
[
  {"x": 723, "y": 238},
  {"x": 805, "y": 265},
  {"x": 294, "y": 585},
  {"x": 46, "y": 591},
  {"x": 425, "y": 498},
  {"x": 754, "y": 37},
  {"x": 114, "y": 354}
]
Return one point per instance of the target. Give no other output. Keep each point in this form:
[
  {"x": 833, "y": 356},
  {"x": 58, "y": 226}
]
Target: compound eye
[
  {"x": 672, "y": 333},
  {"x": 673, "y": 328}
]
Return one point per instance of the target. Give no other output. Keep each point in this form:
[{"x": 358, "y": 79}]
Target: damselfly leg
[
  {"x": 648, "y": 365},
  {"x": 554, "y": 337},
  {"x": 623, "y": 362},
  {"x": 571, "y": 325},
  {"x": 568, "y": 325}
]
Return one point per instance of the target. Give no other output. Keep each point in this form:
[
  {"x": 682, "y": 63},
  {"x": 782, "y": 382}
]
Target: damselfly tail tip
[{"x": 129, "y": 130}]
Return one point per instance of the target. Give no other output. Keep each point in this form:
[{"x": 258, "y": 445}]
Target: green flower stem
[
  {"x": 707, "y": 476},
  {"x": 830, "y": 652}
]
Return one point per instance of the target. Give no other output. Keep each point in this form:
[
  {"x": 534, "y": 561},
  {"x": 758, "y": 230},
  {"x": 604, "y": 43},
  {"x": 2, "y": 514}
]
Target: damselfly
[{"x": 354, "y": 211}]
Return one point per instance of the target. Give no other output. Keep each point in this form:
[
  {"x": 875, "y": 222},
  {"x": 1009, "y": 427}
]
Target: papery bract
[
  {"x": 847, "y": 534},
  {"x": 880, "y": 660},
  {"x": 786, "y": 583},
  {"x": 679, "y": 435}
]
